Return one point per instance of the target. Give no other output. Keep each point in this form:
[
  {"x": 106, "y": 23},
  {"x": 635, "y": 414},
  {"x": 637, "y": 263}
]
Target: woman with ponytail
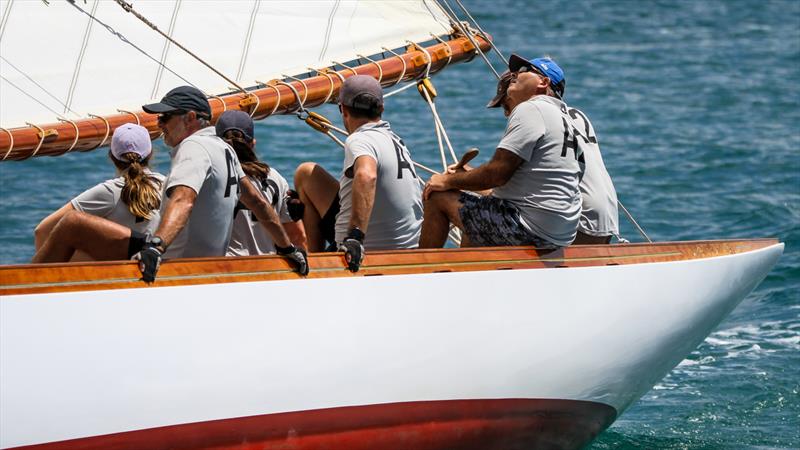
[
  {"x": 132, "y": 199},
  {"x": 247, "y": 237}
]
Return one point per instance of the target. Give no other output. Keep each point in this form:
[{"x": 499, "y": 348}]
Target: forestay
[{"x": 87, "y": 69}]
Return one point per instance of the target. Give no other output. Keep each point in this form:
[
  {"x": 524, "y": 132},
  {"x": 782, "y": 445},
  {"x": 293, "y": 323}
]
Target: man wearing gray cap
[
  {"x": 203, "y": 187},
  {"x": 376, "y": 204}
]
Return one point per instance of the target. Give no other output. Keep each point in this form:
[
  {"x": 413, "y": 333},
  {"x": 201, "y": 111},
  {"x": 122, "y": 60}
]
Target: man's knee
[
  {"x": 303, "y": 172},
  {"x": 442, "y": 201}
]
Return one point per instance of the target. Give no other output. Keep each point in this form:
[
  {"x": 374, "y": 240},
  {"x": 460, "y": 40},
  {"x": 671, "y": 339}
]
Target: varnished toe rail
[{"x": 43, "y": 278}]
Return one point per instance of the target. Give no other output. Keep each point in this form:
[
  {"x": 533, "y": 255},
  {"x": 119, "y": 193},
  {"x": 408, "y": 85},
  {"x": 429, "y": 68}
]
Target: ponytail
[
  {"x": 243, "y": 147},
  {"x": 142, "y": 192}
]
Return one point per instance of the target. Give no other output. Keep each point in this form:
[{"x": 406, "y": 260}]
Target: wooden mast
[{"x": 88, "y": 134}]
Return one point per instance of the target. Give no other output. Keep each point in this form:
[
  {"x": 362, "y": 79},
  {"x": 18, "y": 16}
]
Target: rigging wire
[
  {"x": 37, "y": 85},
  {"x": 76, "y": 73},
  {"x": 485, "y": 35},
  {"x": 469, "y": 36},
  {"x": 125, "y": 40},
  {"x": 129, "y": 8},
  {"x": 165, "y": 50},
  {"x": 58, "y": 114},
  {"x": 246, "y": 49}
]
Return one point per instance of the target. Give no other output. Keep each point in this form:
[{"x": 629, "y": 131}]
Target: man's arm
[
  {"x": 365, "y": 177},
  {"x": 176, "y": 214},
  {"x": 494, "y": 173},
  {"x": 267, "y": 217},
  {"x": 297, "y": 233}
]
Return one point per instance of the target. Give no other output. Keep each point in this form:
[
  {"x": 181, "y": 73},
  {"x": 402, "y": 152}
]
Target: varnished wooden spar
[
  {"x": 60, "y": 137},
  {"x": 31, "y": 279}
]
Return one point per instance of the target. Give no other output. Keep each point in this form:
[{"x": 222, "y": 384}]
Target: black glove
[
  {"x": 149, "y": 258},
  {"x": 296, "y": 256},
  {"x": 353, "y": 249},
  {"x": 295, "y": 207}
]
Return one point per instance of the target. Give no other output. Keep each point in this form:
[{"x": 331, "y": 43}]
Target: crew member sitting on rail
[
  {"x": 247, "y": 237},
  {"x": 205, "y": 183},
  {"x": 376, "y": 204},
  {"x": 534, "y": 173},
  {"x": 599, "y": 215},
  {"x": 132, "y": 199}
]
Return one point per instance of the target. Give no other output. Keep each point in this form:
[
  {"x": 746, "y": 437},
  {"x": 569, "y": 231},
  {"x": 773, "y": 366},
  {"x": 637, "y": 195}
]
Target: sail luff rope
[
  {"x": 129, "y": 8},
  {"x": 121, "y": 37},
  {"x": 165, "y": 50},
  {"x": 248, "y": 39},
  {"x": 79, "y": 63},
  {"x": 469, "y": 36},
  {"x": 6, "y": 14},
  {"x": 485, "y": 35}
]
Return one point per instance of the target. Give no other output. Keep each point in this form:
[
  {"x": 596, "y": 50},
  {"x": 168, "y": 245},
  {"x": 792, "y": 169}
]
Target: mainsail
[{"x": 68, "y": 93}]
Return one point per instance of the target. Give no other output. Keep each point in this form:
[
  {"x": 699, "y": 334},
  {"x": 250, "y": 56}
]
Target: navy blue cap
[
  {"x": 545, "y": 66},
  {"x": 182, "y": 98},
  {"x": 235, "y": 120}
]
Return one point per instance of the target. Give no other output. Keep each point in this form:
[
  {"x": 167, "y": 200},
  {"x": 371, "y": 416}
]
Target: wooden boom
[{"x": 274, "y": 97}]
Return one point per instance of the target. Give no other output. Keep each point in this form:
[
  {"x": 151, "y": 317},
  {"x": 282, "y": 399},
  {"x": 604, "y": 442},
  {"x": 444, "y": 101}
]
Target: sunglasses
[
  {"x": 530, "y": 69},
  {"x": 165, "y": 117}
]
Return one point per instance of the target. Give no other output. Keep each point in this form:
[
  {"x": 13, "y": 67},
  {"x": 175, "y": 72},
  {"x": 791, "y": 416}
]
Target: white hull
[{"x": 81, "y": 364}]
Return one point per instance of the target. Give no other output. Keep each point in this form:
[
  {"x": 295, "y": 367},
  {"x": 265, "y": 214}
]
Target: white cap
[{"x": 131, "y": 138}]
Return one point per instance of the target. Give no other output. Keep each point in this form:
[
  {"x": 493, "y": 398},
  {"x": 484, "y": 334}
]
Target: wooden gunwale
[
  {"x": 91, "y": 131},
  {"x": 64, "y": 277}
]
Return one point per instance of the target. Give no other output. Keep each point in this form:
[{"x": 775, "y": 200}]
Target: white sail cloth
[{"x": 57, "y": 61}]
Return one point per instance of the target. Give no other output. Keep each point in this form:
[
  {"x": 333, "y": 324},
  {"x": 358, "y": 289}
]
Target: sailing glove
[
  {"x": 353, "y": 249},
  {"x": 297, "y": 257},
  {"x": 149, "y": 258},
  {"x": 295, "y": 206}
]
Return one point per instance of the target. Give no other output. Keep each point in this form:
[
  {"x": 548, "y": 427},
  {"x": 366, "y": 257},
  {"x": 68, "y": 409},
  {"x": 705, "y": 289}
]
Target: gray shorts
[{"x": 491, "y": 221}]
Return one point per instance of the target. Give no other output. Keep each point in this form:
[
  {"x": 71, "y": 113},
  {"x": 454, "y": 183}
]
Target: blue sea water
[{"x": 696, "y": 105}]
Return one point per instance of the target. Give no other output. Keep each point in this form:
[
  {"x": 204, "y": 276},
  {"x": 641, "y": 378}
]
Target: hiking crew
[
  {"x": 204, "y": 185},
  {"x": 132, "y": 199},
  {"x": 248, "y": 238},
  {"x": 376, "y": 204},
  {"x": 534, "y": 174}
]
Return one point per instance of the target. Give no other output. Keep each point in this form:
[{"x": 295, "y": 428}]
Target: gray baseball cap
[{"x": 361, "y": 92}]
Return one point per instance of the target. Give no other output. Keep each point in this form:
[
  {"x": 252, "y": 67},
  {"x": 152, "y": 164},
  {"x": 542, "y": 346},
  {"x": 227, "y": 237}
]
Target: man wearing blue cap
[
  {"x": 534, "y": 174},
  {"x": 599, "y": 220}
]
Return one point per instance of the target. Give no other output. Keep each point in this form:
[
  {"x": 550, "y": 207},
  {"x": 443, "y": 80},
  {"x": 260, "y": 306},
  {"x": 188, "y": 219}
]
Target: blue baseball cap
[
  {"x": 545, "y": 66},
  {"x": 235, "y": 120}
]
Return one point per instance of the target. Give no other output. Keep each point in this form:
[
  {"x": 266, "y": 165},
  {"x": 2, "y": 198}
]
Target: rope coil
[
  {"x": 380, "y": 69},
  {"x": 135, "y": 116},
  {"x": 402, "y": 60},
  {"x": 300, "y": 107},
  {"x": 330, "y": 79},
  {"x": 77, "y": 133},
  {"x": 108, "y": 129},
  {"x": 10, "y": 144},
  {"x": 346, "y": 67},
  {"x": 41, "y": 138}
]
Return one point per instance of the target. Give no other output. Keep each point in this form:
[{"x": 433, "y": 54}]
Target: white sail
[{"x": 83, "y": 67}]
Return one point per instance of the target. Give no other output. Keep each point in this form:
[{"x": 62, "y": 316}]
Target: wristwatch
[{"x": 158, "y": 243}]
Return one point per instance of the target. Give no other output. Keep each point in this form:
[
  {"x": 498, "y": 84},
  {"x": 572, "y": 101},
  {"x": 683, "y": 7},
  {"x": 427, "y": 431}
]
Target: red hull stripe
[{"x": 450, "y": 424}]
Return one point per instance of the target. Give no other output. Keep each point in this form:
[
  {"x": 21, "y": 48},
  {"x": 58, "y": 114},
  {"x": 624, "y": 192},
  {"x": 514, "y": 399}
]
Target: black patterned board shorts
[{"x": 491, "y": 221}]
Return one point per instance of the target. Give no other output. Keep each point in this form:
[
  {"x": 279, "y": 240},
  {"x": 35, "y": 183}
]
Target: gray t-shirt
[
  {"x": 104, "y": 201},
  {"x": 599, "y": 214},
  {"x": 209, "y": 166},
  {"x": 396, "y": 218},
  {"x": 545, "y": 186},
  {"x": 248, "y": 236}
]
